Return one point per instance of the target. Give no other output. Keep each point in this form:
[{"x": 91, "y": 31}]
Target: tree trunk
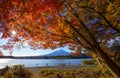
[{"x": 114, "y": 68}]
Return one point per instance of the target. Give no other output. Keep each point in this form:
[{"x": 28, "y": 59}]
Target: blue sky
[
  {"x": 30, "y": 52},
  {"x": 27, "y": 51}
]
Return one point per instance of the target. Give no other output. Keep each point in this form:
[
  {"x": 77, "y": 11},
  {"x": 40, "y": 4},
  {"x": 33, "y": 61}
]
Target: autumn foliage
[{"x": 51, "y": 24}]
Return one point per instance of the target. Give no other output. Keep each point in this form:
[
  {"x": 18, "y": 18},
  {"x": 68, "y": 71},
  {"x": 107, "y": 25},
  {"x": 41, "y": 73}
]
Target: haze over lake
[{"x": 39, "y": 62}]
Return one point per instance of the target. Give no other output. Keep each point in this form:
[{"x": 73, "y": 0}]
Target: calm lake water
[{"x": 39, "y": 62}]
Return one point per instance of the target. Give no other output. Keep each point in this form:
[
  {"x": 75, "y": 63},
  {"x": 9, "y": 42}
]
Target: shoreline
[{"x": 67, "y": 67}]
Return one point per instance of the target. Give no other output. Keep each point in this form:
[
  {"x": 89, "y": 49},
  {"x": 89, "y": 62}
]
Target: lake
[{"x": 39, "y": 62}]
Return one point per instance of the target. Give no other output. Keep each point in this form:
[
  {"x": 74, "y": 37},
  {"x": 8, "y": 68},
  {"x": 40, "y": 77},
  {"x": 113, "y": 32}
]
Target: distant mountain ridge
[{"x": 60, "y": 52}]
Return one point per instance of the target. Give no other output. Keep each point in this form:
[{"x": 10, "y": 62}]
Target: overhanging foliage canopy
[{"x": 55, "y": 23}]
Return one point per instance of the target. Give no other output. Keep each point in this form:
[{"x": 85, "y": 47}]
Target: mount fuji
[{"x": 58, "y": 53}]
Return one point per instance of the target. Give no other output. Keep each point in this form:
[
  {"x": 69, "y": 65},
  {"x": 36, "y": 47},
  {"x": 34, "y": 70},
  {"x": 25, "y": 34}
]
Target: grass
[
  {"x": 17, "y": 71},
  {"x": 83, "y": 72},
  {"x": 86, "y": 70}
]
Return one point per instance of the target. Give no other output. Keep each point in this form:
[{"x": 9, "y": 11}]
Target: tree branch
[
  {"x": 99, "y": 13},
  {"x": 76, "y": 39}
]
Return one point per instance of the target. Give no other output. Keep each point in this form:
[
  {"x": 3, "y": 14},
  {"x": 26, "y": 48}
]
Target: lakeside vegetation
[
  {"x": 88, "y": 69},
  {"x": 84, "y": 72}
]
